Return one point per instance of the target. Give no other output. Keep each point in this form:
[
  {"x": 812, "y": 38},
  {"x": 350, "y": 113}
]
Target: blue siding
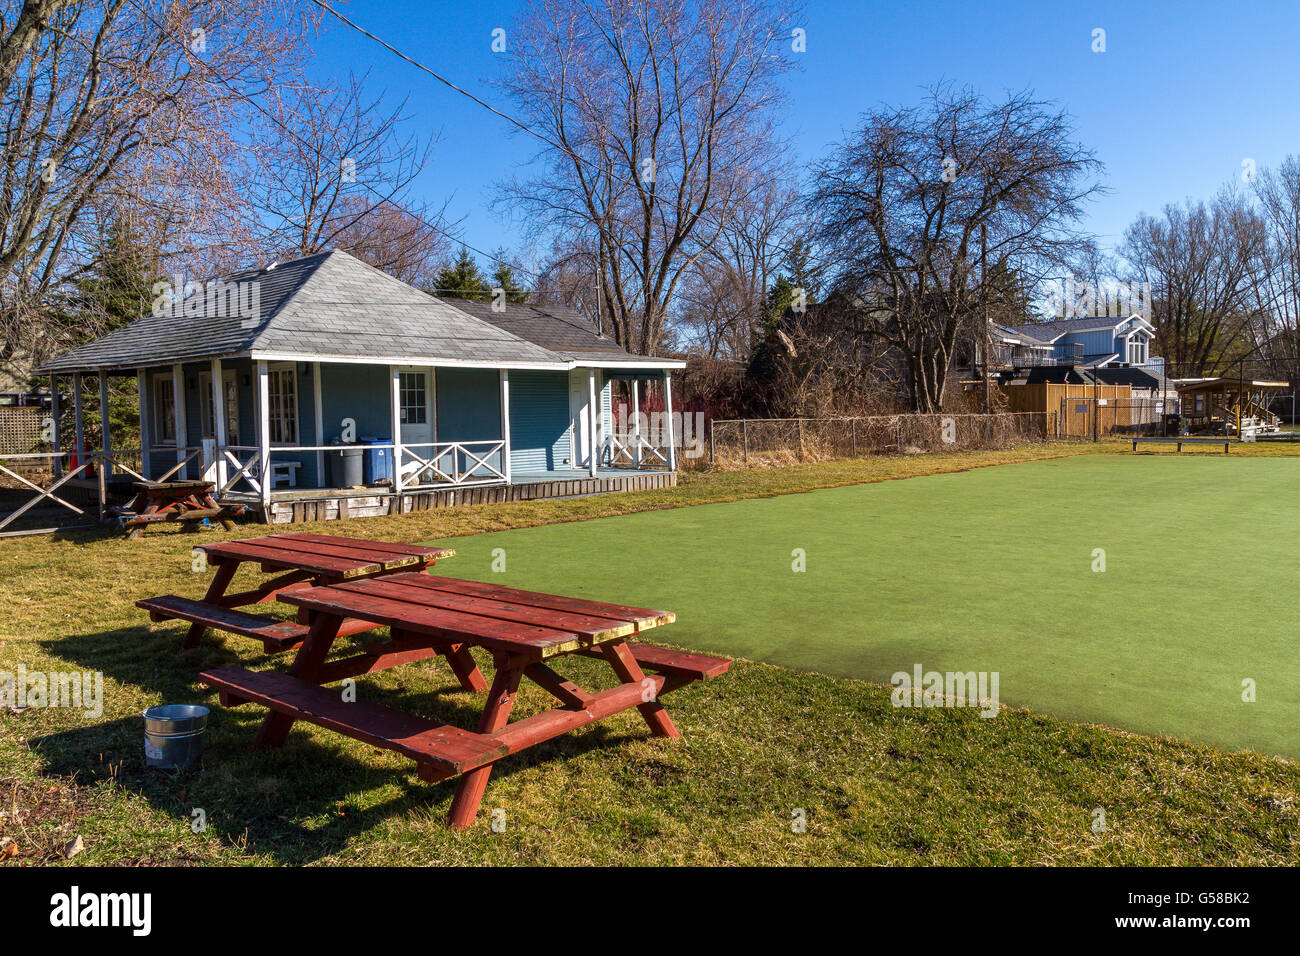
[
  {"x": 539, "y": 421},
  {"x": 469, "y": 410}
]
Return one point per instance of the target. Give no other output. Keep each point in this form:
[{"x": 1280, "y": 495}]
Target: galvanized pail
[{"x": 173, "y": 735}]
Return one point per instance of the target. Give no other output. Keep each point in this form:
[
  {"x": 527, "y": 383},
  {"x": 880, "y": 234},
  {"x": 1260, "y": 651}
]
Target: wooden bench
[
  {"x": 680, "y": 667},
  {"x": 288, "y": 470},
  {"x": 1180, "y": 442},
  {"x": 439, "y": 750},
  {"x": 275, "y": 634}
]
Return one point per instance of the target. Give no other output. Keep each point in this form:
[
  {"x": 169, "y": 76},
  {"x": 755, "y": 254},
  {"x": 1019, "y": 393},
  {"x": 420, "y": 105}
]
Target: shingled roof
[
  {"x": 334, "y": 306},
  {"x": 557, "y": 328}
]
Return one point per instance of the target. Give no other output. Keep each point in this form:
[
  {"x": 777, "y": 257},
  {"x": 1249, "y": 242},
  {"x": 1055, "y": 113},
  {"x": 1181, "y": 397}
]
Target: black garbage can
[
  {"x": 1173, "y": 425},
  {"x": 344, "y": 466}
]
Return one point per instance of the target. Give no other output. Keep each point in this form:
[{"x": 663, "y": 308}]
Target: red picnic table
[
  {"x": 524, "y": 631},
  {"x": 299, "y": 560}
]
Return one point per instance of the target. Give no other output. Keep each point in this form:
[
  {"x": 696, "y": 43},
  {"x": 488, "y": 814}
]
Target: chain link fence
[{"x": 755, "y": 441}]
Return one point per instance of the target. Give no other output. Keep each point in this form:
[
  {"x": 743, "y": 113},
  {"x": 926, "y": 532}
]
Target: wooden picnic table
[
  {"x": 158, "y": 501},
  {"x": 524, "y": 631},
  {"x": 299, "y": 560}
]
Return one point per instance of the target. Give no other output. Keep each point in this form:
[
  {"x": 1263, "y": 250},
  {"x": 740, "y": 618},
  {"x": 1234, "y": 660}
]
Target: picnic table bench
[
  {"x": 524, "y": 631},
  {"x": 157, "y": 501},
  {"x": 1181, "y": 441},
  {"x": 299, "y": 560}
]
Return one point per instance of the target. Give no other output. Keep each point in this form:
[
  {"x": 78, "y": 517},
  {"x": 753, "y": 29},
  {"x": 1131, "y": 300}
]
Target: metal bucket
[{"x": 173, "y": 735}]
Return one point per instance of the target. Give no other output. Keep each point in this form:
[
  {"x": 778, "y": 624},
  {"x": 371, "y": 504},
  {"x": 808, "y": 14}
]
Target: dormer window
[{"x": 1137, "y": 350}]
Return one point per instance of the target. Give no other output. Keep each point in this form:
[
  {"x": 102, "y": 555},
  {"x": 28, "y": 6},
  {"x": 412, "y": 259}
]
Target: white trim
[
  {"x": 395, "y": 411},
  {"x": 561, "y": 365},
  {"x": 668, "y": 414},
  {"x": 505, "y": 422},
  {"x": 263, "y": 417},
  {"x": 56, "y": 435},
  {"x": 218, "y": 385},
  {"x": 291, "y": 366},
  {"x": 593, "y": 454}
]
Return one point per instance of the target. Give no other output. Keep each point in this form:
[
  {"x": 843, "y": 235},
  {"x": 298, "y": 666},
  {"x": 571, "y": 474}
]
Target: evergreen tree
[
  {"x": 461, "y": 279},
  {"x": 504, "y": 278}
]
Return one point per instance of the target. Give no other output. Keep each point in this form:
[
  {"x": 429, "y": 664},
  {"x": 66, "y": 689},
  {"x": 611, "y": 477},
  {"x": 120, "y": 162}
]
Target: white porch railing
[
  {"x": 634, "y": 450},
  {"x": 450, "y": 463}
]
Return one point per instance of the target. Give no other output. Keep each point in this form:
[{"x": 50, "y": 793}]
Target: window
[
  {"x": 414, "y": 402},
  {"x": 1137, "y": 351},
  {"x": 282, "y": 391},
  {"x": 164, "y": 410},
  {"x": 230, "y": 401}
]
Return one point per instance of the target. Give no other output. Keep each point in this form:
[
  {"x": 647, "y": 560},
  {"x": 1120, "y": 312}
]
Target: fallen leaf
[
  {"x": 8, "y": 851},
  {"x": 73, "y": 847}
]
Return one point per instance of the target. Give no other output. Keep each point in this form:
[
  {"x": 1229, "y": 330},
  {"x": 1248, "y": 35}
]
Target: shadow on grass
[{"x": 296, "y": 804}]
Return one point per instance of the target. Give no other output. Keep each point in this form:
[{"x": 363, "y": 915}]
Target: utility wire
[{"x": 301, "y": 142}]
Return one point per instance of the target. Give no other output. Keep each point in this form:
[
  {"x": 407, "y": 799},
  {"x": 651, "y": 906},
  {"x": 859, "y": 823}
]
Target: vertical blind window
[
  {"x": 414, "y": 401},
  {"x": 282, "y": 391}
]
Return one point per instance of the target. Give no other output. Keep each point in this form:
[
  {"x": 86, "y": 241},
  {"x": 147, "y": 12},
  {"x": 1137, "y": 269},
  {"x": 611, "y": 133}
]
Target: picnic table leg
[
  {"x": 469, "y": 791},
  {"x": 466, "y": 671},
  {"x": 220, "y": 581},
  {"x": 629, "y": 671},
  {"x": 315, "y": 647}
]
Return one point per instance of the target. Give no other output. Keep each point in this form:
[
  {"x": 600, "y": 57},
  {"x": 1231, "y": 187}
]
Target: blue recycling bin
[{"x": 378, "y": 462}]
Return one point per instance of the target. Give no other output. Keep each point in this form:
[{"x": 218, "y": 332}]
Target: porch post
[
  {"x": 105, "y": 468},
  {"x": 592, "y": 413},
  {"x": 264, "y": 436},
  {"x": 505, "y": 423},
  {"x": 103, "y": 421},
  {"x": 79, "y": 418},
  {"x": 668, "y": 413},
  {"x": 636, "y": 422},
  {"x": 219, "y": 420},
  {"x": 395, "y": 404},
  {"x": 182, "y": 427},
  {"x": 141, "y": 390},
  {"x": 55, "y": 436},
  {"x": 320, "y": 424}
]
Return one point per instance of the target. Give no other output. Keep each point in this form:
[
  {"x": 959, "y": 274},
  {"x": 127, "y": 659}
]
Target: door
[
  {"x": 580, "y": 417},
  {"x": 415, "y": 394}
]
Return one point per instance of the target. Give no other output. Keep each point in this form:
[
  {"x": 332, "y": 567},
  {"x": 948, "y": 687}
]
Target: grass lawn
[
  {"x": 989, "y": 570},
  {"x": 878, "y": 785}
]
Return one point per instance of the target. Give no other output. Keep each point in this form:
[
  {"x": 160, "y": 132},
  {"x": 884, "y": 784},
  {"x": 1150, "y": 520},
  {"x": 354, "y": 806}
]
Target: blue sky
[{"x": 1183, "y": 94}]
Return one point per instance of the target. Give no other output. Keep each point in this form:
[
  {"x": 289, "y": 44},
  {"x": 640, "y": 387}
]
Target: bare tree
[
  {"x": 911, "y": 200},
  {"x": 659, "y": 116},
  {"x": 328, "y": 159},
  {"x": 117, "y": 108},
  {"x": 723, "y": 294},
  {"x": 1202, "y": 263},
  {"x": 1277, "y": 331}
]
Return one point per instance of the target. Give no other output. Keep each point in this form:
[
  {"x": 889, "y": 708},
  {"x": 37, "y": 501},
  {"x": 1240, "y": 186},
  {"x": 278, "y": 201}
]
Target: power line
[{"x": 301, "y": 142}]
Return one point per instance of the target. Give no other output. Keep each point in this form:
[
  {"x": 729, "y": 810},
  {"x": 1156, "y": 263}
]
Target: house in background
[
  {"x": 469, "y": 403},
  {"x": 1089, "y": 342}
]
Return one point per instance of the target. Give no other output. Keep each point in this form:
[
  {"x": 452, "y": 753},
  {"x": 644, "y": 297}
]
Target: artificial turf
[{"x": 988, "y": 570}]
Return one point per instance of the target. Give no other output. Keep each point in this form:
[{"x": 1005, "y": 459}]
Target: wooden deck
[{"x": 294, "y": 505}]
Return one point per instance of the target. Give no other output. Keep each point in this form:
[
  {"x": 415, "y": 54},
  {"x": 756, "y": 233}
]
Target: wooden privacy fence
[{"x": 767, "y": 439}]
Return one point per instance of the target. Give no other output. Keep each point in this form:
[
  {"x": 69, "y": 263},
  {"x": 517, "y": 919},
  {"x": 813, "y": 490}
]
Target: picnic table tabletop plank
[
  {"x": 393, "y": 547},
  {"x": 532, "y": 641},
  {"x": 644, "y": 618},
  {"x": 357, "y": 551},
  {"x": 595, "y": 628},
  {"x": 271, "y": 556}
]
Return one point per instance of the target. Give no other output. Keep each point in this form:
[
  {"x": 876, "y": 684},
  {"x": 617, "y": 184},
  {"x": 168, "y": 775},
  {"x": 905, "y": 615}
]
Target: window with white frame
[
  {"x": 413, "y": 398},
  {"x": 1137, "y": 350},
  {"x": 282, "y": 392},
  {"x": 164, "y": 410}
]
